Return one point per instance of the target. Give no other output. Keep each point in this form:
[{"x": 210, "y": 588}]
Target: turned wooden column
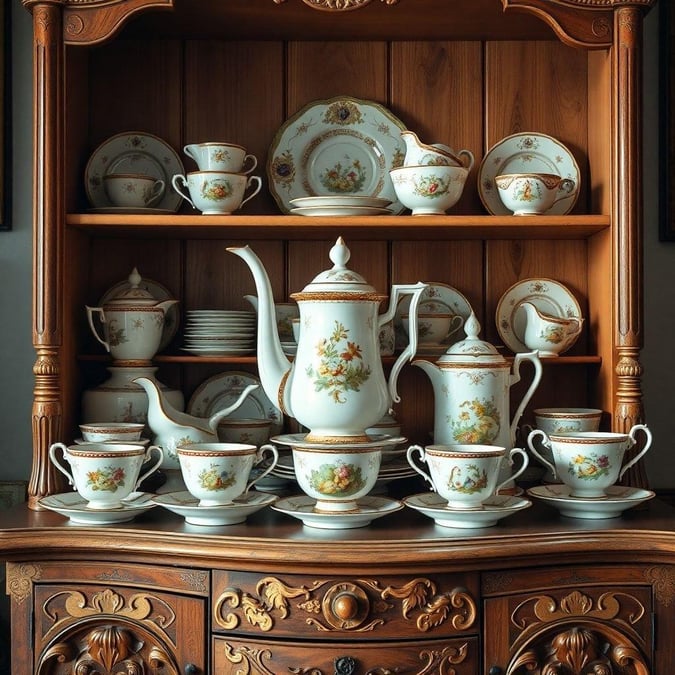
[
  {"x": 48, "y": 223},
  {"x": 627, "y": 224}
]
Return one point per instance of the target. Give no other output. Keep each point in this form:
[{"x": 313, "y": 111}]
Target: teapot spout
[
  {"x": 216, "y": 417},
  {"x": 273, "y": 365}
]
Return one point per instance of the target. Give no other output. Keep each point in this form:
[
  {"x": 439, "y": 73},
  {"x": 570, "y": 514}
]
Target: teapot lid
[
  {"x": 132, "y": 293},
  {"x": 339, "y": 278},
  {"x": 472, "y": 347}
]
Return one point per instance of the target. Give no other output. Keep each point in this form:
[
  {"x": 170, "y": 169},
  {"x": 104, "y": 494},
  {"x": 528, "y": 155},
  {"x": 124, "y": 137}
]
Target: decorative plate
[
  {"x": 436, "y": 297},
  {"x": 369, "y": 508},
  {"x": 73, "y": 506},
  {"x": 618, "y": 499},
  {"x": 222, "y": 390},
  {"x": 184, "y": 504},
  {"x": 160, "y": 293},
  {"x": 133, "y": 152},
  {"x": 523, "y": 153},
  {"x": 334, "y": 211},
  {"x": 547, "y": 295},
  {"x": 339, "y": 146},
  {"x": 493, "y": 510}
]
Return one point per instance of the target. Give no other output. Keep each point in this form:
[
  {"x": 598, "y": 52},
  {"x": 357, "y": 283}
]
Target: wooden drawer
[
  {"x": 459, "y": 656},
  {"x": 342, "y": 607}
]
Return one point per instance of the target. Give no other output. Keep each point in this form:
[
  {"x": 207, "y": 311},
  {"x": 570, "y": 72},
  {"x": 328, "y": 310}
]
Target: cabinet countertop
[{"x": 538, "y": 534}]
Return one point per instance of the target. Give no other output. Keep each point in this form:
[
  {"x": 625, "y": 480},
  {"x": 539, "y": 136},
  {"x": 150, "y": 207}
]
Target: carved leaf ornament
[{"x": 338, "y": 5}]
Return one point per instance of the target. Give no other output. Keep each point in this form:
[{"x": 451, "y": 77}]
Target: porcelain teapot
[
  {"x": 172, "y": 428},
  {"x": 472, "y": 384},
  {"x": 133, "y": 322},
  {"x": 336, "y": 386},
  {"x": 423, "y": 154},
  {"x": 549, "y": 335}
]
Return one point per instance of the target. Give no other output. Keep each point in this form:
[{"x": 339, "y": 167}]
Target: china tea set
[{"x": 335, "y": 388}]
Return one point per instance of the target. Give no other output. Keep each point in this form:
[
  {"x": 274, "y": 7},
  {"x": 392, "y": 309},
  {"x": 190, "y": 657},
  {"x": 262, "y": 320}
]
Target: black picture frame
[
  {"x": 667, "y": 122},
  {"x": 5, "y": 117}
]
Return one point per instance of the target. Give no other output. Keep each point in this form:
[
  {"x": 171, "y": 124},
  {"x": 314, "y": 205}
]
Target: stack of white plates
[
  {"x": 220, "y": 332},
  {"x": 340, "y": 205}
]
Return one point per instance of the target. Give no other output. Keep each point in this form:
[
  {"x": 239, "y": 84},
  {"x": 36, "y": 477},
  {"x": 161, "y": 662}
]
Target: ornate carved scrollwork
[
  {"x": 346, "y": 605},
  {"x": 108, "y": 650},
  {"x": 578, "y": 635},
  {"x": 434, "y": 662},
  {"x": 663, "y": 582},
  {"x": 338, "y": 5},
  {"x": 20, "y": 580}
]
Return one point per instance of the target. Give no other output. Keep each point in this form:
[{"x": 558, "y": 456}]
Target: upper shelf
[{"x": 372, "y": 227}]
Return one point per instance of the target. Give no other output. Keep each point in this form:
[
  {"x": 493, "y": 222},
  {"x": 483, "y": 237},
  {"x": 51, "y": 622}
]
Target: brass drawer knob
[{"x": 345, "y": 606}]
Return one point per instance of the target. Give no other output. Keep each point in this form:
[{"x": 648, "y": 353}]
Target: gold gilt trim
[
  {"x": 20, "y": 580},
  {"x": 420, "y": 602},
  {"x": 662, "y": 580}
]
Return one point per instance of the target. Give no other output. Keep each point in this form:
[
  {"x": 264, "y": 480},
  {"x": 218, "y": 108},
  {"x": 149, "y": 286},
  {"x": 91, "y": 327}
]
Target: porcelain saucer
[
  {"x": 526, "y": 152},
  {"x": 74, "y": 507},
  {"x": 375, "y": 440},
  {"x": 494, "y": 509},
  {"x": 369, "y": 508},
  {"x": 547, "y": 295},
  {"x": 618, "y": 500},
  {"x": 184, "y": 504}
]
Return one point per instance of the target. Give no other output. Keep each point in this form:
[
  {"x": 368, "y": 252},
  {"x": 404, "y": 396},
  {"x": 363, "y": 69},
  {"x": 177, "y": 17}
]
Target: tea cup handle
[
  {"x": 512, "y": 477},
  {"x": 253, "y": 161},
  {"x": 148, "y": 455},
  {"x": 468, "y": 158},
  {"x": 52, "y": 456},
  {"x": 259, "y": 456},
  {"x": 90, "y": 313},
  {"x": 634, "y": 429},
  {"x": 568, "y": 187},
  {"x": 174, "y": 181},
  {"x": 545, "y": 440},
  {"x": 188, "y": 151},
  {"x": 251, "y": 180},
  {"x": 157, "y": 192},
  {"x": 420, "y": 451}
]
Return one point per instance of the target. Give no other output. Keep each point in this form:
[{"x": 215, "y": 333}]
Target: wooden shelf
[{"x": 366, "y": 227}]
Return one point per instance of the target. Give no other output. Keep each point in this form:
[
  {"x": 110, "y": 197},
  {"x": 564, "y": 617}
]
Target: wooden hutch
[{"x": 536, "y": 593}]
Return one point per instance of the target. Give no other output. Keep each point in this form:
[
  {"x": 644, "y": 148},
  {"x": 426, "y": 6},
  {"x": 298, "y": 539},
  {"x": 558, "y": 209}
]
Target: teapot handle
[
  {"x": 407, "y": 354},
  {"x": 90, "y": 313},
  {"x": 515, "y": 377}
]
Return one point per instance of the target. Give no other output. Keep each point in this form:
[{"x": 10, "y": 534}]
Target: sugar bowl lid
[
  {"x": 339, "y": 278},
  {"x": 472, "y": 349},
  {"x": 133, "y": 293}
]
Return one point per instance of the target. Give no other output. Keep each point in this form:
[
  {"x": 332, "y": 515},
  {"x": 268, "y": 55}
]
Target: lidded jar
[{"x": 133, "y": 322}]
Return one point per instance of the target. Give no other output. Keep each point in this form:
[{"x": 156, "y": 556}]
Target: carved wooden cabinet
[{"x": 536, "y": 594}]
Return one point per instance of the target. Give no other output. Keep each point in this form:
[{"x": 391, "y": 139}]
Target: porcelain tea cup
[
  {"x": 337, "y": 477},
  {"x": 133, "y": 190},
  {"x": 433, "y": 328},
  {"x": 217, "y": 473},
  {"x": 589, "y": 462},
  {"x": 102, "y": 432},
  {"x": 217, "y": 192},
  {"x": 463, "y": 474},
  {"x": 214, "y": 156},
  {"x": 255, "y": 431},
  {"x": 529, "y": 194},
  {"x": 105, "y": 473},
  {"x": 430, "y": 189},
  {"x": 557, "y": 421}
]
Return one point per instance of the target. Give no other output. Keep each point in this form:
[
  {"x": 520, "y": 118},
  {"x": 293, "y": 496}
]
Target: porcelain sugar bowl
[{"x": 133, "y": 322}]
